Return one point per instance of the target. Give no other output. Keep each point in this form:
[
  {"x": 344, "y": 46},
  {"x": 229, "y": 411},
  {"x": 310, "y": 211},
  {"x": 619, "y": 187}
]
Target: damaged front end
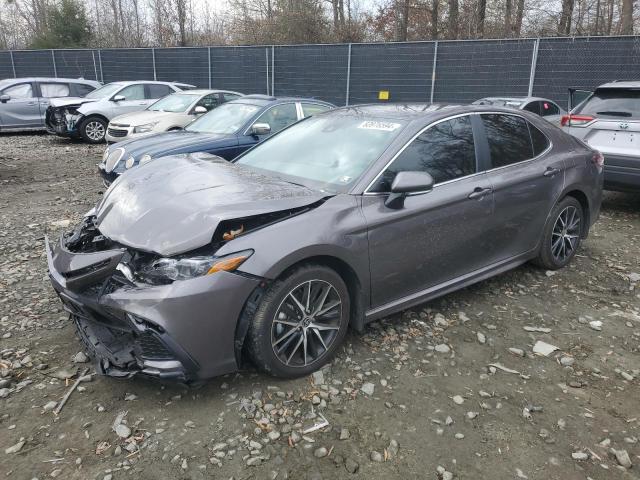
[{"x": 63, "y": 120}]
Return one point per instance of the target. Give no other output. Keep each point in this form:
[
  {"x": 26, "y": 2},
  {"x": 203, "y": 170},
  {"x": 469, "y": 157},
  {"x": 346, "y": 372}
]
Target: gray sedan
[
  {"x": 547, "y": 109},
  {"x": 188, "y": 264},
  {"x": 24, "y": 101}
]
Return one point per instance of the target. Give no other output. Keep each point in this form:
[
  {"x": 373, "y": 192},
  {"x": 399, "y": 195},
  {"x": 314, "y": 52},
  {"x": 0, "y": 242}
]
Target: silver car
[
  {"x": 172, "y": 112},
  {"x": 547, "y": 109},
  {"x": 87, "y": 117},
  {"x": 609, "y": 120},
  {"x": 24, "y": 101}
]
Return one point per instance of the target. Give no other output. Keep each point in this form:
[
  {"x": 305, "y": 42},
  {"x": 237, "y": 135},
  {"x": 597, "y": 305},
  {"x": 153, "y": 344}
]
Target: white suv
[
  {"x": 609, "y": 121},
  {"x": 87, "y": 117}
]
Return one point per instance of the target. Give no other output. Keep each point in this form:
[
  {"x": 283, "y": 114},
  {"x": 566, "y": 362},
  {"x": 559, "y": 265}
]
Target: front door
[
  {"x": 21, "y": 109},
  {"x": 437, "y": 236}
]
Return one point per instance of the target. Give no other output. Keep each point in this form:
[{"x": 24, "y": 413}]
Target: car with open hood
[
  {"x": 226, "y": 131},
  {"x": 190, "y": 265},
  {"x": 87, "y": 117},
  {"x": 608, "y": 119},
  {"x": 170, "y": 113}
]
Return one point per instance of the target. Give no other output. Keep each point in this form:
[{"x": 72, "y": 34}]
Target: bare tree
[
  {"x": 453, "y": 19},
  {"x": 564, "y": 26},
  {"x": 626, "y": 18},
  {"x": 482, "y": 14}
]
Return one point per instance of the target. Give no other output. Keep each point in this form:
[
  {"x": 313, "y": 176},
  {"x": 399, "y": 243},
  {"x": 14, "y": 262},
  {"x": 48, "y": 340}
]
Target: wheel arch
[
  {"x": 95, "y": 115},
  {"x": 341, "y": 267},
  {"x": 583, "y": 199}
]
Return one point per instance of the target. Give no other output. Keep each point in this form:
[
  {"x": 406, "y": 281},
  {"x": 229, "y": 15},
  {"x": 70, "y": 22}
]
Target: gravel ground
[{"x": 452, "y": 389}]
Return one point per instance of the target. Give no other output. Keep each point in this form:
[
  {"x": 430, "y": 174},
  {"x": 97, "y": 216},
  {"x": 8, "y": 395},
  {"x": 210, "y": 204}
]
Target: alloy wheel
[
  {"x": 94, "y": 130},
  {"x": 565, "y": 234},
  {"x": 306, "y": 323}
]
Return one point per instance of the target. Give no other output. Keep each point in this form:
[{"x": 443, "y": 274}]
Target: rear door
[
  {"x": 21, "y": 109},
  {"x": 527, "y": 178},
  {"x": 50, "y": 90},
  {"x": 437, "y": 236}
]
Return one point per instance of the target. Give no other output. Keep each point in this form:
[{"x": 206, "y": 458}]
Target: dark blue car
[{"x": 226, "y": 131}]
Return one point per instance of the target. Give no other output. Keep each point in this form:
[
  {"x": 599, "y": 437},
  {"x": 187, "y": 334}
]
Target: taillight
[
  {"x": 575, "y": 120},
  {"x": 598, "y": 158}
]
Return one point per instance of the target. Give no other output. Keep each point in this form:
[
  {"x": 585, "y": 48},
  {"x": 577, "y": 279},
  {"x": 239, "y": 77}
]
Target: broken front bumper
[
  {"x": 184, "y": 331},
  {"x": 57, "y": 122}
]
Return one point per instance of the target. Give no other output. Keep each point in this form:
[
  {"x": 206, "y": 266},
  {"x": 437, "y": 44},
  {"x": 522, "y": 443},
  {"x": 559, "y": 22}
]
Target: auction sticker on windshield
[{"x": 385, "y": 126}]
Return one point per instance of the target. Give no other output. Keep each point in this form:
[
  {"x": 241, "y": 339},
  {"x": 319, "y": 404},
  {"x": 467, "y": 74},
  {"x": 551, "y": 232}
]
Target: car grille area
[{"x": 117, "y": 132}]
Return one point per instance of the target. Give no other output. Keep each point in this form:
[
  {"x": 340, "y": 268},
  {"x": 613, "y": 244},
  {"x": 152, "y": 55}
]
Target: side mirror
[
  {"x": 260, "y": 129},
  {"x": 199, "y": 110},
  {"x": 118, "y": 98},
  {"x": 4, "y": 98},
  {"x": 406, "y": 183}
]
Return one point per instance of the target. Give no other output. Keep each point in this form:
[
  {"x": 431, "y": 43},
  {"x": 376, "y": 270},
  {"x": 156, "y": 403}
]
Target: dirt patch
[{"x": 433, "y": 393}]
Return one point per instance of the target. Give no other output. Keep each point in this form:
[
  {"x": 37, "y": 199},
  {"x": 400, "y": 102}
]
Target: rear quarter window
[
  {"x": 509, "y": 139},
  {"x": 538, "y": 139}
]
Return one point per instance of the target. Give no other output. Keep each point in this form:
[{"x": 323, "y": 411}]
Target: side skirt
[{"x": 447, "y": 287}]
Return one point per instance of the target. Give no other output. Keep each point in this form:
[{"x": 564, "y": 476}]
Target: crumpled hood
[
  {"x": 141, "y": 118},
  {"x": 168, "y": 143},
  {"x": 66, "y": 101},
  {"x": 175, "y": 206}
]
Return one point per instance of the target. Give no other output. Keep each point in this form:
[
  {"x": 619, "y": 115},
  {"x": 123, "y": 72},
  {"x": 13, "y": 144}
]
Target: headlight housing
[
  {"x": 147, "y": 127},
  {"x": 113, "y": 159},
  {"x": 130, "y": 162},
  {"x": 167, "y": 270},
  {"x": 145, "y": 158}
]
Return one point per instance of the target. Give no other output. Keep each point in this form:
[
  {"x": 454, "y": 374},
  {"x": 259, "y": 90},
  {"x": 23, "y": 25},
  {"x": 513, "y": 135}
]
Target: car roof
[
  {"x": 262, "y": 100},
  {"x": 50, "y": 79},
  {"x": 625, "y": 84},
  {"x": 156, "y": 82},
  {"x": 414, "y": 111}
]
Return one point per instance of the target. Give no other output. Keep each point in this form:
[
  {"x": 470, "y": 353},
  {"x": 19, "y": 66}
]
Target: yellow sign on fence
[{"x": 383, "y": 95}]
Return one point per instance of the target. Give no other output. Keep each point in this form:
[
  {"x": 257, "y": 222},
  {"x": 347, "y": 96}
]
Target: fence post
[
  {"x": 534, "y": 63},
  {"x": 95, "y": 68},
  {"x": 273, "y": 68},
  {"x": 153, "y": 58},
  {"x": 433, "y": 71},
  {"x": 100, "y": 62},
  {"x": 209, "y": 64},
  {"x": 266, "y": 62},
  {"x": 53, "y": 59},
  {"x": 348, "y": 76},
  {"x": 13, "y": 65}
]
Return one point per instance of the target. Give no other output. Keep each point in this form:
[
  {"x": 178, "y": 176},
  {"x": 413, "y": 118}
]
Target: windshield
[
  {"x": 105, "y": 91},
  {"x": 176, "y": 103},
  {"x": 227, "y": 118},
  {"x": 615, "y": 103},
  {"x": 324, "y": 152}
]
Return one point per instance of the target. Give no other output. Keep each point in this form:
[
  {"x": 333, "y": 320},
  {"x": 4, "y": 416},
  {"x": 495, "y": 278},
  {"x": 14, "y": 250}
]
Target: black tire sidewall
[
  {"x": 83, "y": 127},
  {"x": 260, "y": 347},
  {"x": 545, "y": 257}
]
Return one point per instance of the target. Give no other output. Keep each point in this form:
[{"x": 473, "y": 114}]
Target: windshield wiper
[{"x": 614, "y": 113}]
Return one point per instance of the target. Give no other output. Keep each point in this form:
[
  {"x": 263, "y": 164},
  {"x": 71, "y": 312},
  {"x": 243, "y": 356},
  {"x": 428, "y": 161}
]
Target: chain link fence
[{"x": 441, "y": 71}]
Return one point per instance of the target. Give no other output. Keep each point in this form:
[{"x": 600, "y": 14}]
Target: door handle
[
  {"x": 550, "y": 172},
  {"x": 32, "y": 103},
  {"x": 479, "y": 193}
]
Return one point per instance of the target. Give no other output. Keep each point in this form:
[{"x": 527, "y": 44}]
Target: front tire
[
  {"x": 93, "y": 130},
  {"x": 300, "y": 322},
  {"x": 562, "y": 234}
]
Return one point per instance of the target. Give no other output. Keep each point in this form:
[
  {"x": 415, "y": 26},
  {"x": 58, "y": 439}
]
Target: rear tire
[
  {"x": 309, "y": 307},
  {"x": 562, "y": 234},
  {"x": 93, "y": 130}
]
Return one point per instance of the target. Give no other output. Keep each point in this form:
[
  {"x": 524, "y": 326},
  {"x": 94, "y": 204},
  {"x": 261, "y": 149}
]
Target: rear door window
[
  {"x": 533, "y": 107},
  {"x": 508, "y": 137},
  {"x": 446, "y": 151},
  {"x": 53, "y": 90},
  {"x": 227, "y": 97},
  {"x": 309, "y": 109},
  {"x": 549, "y": 108},
  {"x": 613, "y": 103},
  {"x": 158, "y": 91}
]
